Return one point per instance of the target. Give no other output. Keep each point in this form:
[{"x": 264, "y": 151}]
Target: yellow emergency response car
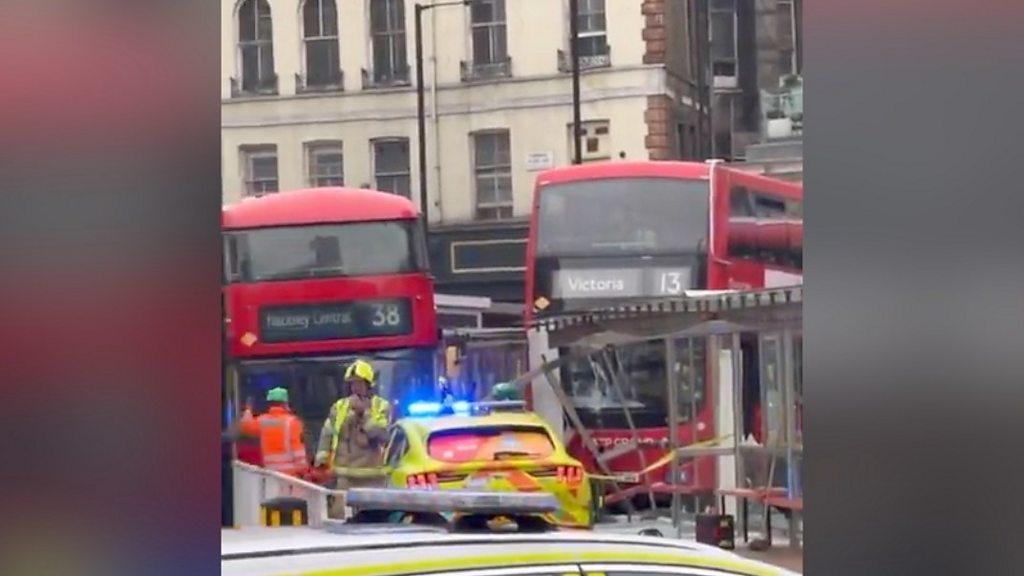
[
  {"x": 504, "y": 452},
  {"x": 304, "y": 551}
]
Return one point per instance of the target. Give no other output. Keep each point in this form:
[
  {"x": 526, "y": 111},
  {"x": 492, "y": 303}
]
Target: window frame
[
  {"x": 720, "y": 80},
  {"x": 586, "y": 10},
  {"x": 492, "y": 171},
  {"x": 398, "y": 67},
  {"x": 335, "y": 77},
  {"x": 377, "y": 174},
  {"x": 250, "y": 152},
  {"x": 313, "y": 149},
  {"x": 491, "y": 26},
  {"x": 794, "y": 67},
  {"x": 261, "y": 84}
]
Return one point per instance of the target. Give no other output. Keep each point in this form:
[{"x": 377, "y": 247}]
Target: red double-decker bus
[
  {"x": 608, "y": 233},
  {"x": 315, "y": 278}
]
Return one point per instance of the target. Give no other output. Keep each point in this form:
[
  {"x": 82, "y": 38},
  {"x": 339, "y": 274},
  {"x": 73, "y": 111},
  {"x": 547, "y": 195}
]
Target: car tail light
[
  {"x": 422, "y": 481},
  {"x": 570, "y": 475}
]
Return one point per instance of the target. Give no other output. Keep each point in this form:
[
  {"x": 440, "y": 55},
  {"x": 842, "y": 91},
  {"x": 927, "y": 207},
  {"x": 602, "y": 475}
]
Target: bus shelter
[{"x": 768, "y": 471}]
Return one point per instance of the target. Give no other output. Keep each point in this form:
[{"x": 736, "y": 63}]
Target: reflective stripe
[
  {"x": 379, "y": 408},
  {"x": 360, "y": 472},
  {"x": 501, "y": 563}
]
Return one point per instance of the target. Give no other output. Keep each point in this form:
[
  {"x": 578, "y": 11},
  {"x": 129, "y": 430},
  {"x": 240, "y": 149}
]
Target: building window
[
  {"x": 492, "y": 166},
  {"x": 256, "y": 47},
  {"x": 490, "y": 43},
  {"x": 259, "y": 164},
  {"x": 387, "y": 29},
  {"x": 320, "y": 34},
  {"x": 722, "y": 21},
  {"x": 591, "y": 26},
  {"x": 788, "y": 34},
  {"x": 391, "y": 166},
  {"x": 325, "y": 161}
]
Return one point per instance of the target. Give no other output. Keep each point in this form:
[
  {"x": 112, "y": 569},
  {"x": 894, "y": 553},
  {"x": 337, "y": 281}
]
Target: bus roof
[
  {"x": 317, "y": 206},
  {"x": 661, "y": 169},
  {"x": 598, "y": 170}
]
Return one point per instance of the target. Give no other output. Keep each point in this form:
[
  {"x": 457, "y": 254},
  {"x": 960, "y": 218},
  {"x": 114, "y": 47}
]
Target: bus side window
[{"x": 739, "y": 202}]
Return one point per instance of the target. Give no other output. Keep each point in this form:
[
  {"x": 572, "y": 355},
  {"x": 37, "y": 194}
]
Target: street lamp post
[
  {"x": 421, "y": 107},
  {"x": 574, "y": 42}
]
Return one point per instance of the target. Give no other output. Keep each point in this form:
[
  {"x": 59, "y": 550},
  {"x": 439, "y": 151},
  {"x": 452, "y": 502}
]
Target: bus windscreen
[
  {"x": 623, "y": 216},
  {"x": 325, "y": 250}
]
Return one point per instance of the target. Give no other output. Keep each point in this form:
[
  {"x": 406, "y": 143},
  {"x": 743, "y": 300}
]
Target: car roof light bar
[{"x": 465, "y": 502}]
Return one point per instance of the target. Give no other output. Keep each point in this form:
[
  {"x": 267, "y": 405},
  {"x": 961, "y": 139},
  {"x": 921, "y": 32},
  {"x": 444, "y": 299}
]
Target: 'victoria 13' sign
[
  {"x": 335, "y": 321},
  {"x": 620, "y": 283}
]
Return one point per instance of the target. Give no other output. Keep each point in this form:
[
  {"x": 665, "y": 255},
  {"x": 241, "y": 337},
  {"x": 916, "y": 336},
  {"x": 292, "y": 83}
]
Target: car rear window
[{"x": 489, "y": 443}]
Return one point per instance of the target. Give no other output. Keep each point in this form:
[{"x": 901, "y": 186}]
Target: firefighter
[
  {"x": 280, "y": 435},
  {"x": 354, "y": 433}
]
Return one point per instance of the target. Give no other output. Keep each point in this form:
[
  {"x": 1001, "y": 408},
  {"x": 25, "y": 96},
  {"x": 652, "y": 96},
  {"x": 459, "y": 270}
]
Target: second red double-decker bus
[
  {"x": 318, "y": 277},
  {"x": 608, "y": 233}
]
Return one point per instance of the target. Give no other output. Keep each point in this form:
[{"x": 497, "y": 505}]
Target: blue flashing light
[
  {"x": 428, "y": 409},
  {"x": 424, "y": 408}
]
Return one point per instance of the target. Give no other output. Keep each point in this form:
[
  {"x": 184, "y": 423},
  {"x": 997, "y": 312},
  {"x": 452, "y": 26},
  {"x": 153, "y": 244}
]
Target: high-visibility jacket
[
  {"x": 353, "y": 447},
  {"x": 280, "y": 434},
  {"x": 248, "y": 444}
]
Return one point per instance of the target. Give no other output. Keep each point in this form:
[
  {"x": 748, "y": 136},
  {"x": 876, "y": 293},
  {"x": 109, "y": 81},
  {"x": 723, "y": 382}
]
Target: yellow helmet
[{"x": 361, "y": 369}]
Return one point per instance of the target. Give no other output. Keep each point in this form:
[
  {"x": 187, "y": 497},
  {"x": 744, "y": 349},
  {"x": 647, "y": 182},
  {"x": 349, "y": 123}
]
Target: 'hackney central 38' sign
[
  {"x": 335, "y": 321},
  {"x": 620, "y": 283}
]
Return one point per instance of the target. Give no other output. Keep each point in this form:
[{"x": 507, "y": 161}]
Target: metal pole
[
  {"x": 695, "y": 59},
  {"x": 574, "y": 42},
  {"x": 421, "y": 114},
  {"x": 673, "y": 429},
  {"x": 693, "y": 423},
  {"x": 789, "y": 397},
  {"x": 737, "y": 422},
  {"x": 701, "y": 38}
]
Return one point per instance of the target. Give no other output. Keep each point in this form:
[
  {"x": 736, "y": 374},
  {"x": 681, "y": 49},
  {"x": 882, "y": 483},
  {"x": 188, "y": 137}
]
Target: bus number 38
[{"x": 386, "y": 315}]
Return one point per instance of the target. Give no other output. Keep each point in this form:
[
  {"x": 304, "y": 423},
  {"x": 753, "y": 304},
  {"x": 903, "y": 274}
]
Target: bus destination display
[
  {"x": 620, "y": 283},
  {"x": 336, "y": 321}
]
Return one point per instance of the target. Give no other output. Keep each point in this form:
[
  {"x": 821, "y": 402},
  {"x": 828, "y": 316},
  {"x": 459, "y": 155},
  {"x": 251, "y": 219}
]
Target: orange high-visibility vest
[{"x": 281, "y": 441}]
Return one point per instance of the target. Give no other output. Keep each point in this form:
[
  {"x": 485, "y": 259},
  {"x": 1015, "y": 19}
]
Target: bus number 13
[
  {"x": 386, "y": 315},
  {"x": 671, "y": 283}
]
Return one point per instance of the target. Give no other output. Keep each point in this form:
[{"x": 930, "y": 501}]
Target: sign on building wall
[{"x": 540, "y": 160}]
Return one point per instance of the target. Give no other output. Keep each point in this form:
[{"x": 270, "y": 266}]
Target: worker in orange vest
[
  {"x": 280, "y": 434},
  {"x": 248, "y": 444}
]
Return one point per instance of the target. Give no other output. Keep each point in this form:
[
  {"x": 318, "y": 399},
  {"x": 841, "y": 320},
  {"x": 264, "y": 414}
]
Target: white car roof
[
  {"x": 267, "y": 541},
  {"x": 301, "y": 550}
]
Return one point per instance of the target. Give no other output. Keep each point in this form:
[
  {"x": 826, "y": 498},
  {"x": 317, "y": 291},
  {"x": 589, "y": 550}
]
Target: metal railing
[
  {"x": 254, "y": 485},
  {"x": 263, "y": 87},
  {"x": 385, "y": 79},
  {"x": 477, "y": 71},
  {"x": 335, "y": 82},
  {"x": 587, "y": 62}
]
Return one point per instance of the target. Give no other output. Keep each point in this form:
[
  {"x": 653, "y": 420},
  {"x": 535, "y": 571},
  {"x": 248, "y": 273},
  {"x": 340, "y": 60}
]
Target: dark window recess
[
  {"x": 391, "y": 166},
  {"x": 468, "y": 257},
  {"x": 256, "y": 46},
  {"x": 387, "y": 29},
  {"x": 766, "y": 228}
]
